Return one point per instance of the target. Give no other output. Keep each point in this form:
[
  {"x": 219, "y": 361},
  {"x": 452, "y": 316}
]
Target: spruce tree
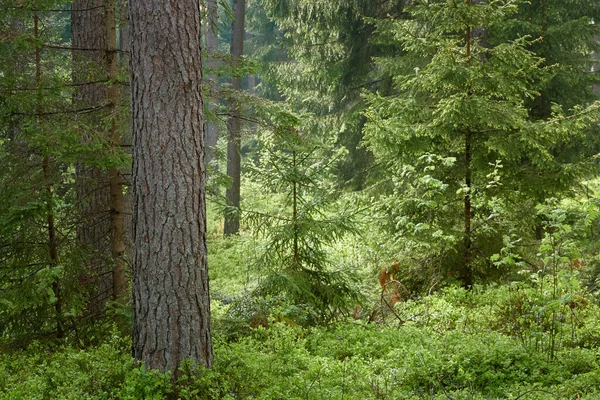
[
  {"x": 566, "y": 40},
  {"x": 455, "y": 129},
  {"x": 295, "y": 166},
  {"x": 46, "y": 278},
  {"x": 38, "y": 255}
]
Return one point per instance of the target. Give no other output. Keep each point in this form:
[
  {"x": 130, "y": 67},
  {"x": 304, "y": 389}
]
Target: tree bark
[
  {"x": 88, "y": 31},
  {"x": 124, "y": 46},
  {"x": 171, "y": 309},
  {"x": 234, "y": 125},
  {"x": 212, "y": 46}
]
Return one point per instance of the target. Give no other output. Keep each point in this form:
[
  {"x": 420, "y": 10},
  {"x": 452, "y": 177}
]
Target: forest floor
[{"x": 450, "y": 345}]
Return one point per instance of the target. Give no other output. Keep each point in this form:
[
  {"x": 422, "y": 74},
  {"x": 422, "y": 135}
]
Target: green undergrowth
[{"x": 435, "y": 353}]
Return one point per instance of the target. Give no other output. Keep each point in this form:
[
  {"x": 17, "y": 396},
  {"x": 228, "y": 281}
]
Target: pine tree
[{"x": 171, "y": 308}]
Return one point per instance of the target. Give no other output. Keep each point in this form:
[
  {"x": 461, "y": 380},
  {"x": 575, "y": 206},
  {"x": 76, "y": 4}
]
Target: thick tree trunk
[
  {"x": 171, "y": 309},
  {"x": 234, "y": 125},
  {"x": 212, "y": 45}
]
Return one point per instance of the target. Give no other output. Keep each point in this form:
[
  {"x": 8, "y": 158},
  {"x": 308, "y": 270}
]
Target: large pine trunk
[
  {"x": 171, "y": 306},
  {"x": 234, "y": 123}
]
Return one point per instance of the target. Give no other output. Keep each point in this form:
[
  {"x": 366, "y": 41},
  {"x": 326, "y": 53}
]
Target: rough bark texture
[
  {"x": 171, "y": 309},
  {"x": 88, "y": 31},
  {"x": 212, "y": 45},
  {"x": 234, "y": 123}
]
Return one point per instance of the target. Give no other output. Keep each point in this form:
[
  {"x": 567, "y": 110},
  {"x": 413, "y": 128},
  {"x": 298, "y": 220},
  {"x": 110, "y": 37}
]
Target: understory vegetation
[
  {"x": 452, "y": 345},
  {"x": 533, "y": 336}
]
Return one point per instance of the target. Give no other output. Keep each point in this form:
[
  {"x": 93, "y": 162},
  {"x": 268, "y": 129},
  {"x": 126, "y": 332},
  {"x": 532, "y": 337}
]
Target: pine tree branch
[
  {"x": 70, "y": 48},
  {"x": 66, "y": 85},
  {"x": 78, "y": 111}
]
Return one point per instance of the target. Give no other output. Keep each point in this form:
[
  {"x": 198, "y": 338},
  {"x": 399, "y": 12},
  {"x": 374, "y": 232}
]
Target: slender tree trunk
[
  {"x": 212, "y": 45},
  {"x": 252, "y": 84},
  {"x": 46, "y": 168},
  {"x": 124, "y": 46},
  {"x": 473, "y": 35},
  {"x": 119, "y": 280},
  {"x": 171, "y": 308},
  {"x": 234, "y": 125},
  {"x": 295, "y": 214},
  {"x": 466, "y": 273},
  {"x": 252, "y": 91},
  {"x": 543, "y": 25}
]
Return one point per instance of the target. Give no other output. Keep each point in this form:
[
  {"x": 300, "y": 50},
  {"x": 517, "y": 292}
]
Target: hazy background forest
[{"x": 402, "y": 199}]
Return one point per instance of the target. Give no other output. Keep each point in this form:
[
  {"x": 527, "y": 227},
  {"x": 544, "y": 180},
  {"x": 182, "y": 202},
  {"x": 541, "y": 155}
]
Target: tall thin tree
[
  {"x": 47, "y": 170},
  {"x": 212, "y": 46},
  {"x": 89, "y": 40},
  {"x": 115, "y": 180},
  {"x": 234, "y": 123},
  {"x": 171, "y": 309}
]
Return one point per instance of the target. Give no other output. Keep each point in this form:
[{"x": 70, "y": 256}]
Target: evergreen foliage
[
  {"x": 565, "y": 35},
  {"x": 44, "y": 285},
  {"x": 295, "y": 165},
  {"x": 456, "y": 130},
  {"x": 36, "y": 200},
  {"x": 329, "y": 62}
]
